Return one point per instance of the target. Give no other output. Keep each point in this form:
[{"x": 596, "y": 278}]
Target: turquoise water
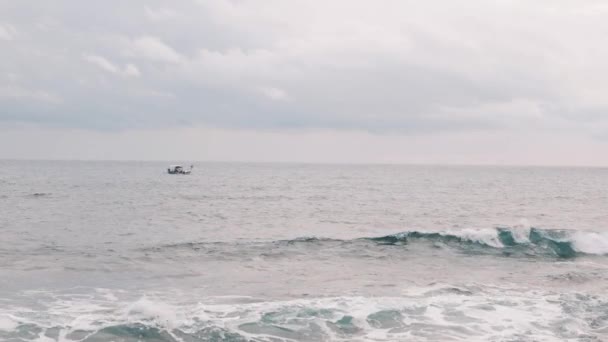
[{"x": 121, "y": 251}]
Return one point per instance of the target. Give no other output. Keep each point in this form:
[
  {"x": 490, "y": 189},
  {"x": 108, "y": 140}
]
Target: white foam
[
  {"x": 485, "y": 236},
  {"x": 43, "y": 338},
  {"x": 428, "y": 313},
  {"x": 521, "y": 231},
  {"x": 8, "y": 323},
  {"x": 161, "y": 313},
  {"x": 590, "y": 242},
  {"x": 107, "y": 294}
]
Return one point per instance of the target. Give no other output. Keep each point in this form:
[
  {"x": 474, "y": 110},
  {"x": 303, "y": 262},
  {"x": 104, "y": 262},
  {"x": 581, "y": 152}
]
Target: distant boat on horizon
[{"x": 179, "y": 170}]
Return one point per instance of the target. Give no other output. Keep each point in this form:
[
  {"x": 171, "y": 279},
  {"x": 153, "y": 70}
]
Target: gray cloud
[{"x": 400, "y": 67}]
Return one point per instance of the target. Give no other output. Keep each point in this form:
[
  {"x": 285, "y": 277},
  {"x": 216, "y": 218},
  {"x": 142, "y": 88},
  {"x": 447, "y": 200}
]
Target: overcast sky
[{"x": 434, "y": 81}]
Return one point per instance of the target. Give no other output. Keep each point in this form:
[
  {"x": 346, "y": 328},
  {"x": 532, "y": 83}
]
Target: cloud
[
  {"x": 274, "y": 93},
  {"x": 154, "y": 49},
  {"x": 159, "y": 14},
  {"x": 102, "y": 63},
  {"x": 406, "y": 67},
  {"x": 129, "y": 69},
  {"x": 7, "y": 32}
]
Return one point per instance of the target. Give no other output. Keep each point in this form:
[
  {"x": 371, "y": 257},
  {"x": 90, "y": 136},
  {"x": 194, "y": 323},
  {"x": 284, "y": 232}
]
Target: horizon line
[{"x": 284, "y": 162}]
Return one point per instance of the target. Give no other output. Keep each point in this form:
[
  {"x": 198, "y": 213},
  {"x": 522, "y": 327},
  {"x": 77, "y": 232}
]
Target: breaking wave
[
  {"x": 529, "y": 241},
  {"x": 513, "y": 241},
  {"x": 430, "y": 313}
]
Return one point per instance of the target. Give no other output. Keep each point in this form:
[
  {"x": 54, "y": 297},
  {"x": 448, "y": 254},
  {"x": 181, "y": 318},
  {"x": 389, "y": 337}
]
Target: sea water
[{"x": 122, "y": 251}]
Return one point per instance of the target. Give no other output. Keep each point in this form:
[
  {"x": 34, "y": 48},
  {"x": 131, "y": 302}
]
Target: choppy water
[{"x": 111, "y": 251}]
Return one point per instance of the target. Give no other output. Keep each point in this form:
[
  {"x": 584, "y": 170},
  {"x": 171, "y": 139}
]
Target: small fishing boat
[{"x": 178, "y": 170}]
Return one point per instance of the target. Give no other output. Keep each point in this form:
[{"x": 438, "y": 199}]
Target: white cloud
[
  {"x": 103, "y": 63},
  {"x": 159, "y": 14},
  {"x": 274, "y": 93},
  {"x": 154, "y": 49},
  {"x": 7, "y": 32},
  {"x": 131, "y": 70}
]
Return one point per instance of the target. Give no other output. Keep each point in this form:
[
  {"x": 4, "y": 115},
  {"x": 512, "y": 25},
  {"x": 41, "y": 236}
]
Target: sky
[{"x": 344, "y": 81}]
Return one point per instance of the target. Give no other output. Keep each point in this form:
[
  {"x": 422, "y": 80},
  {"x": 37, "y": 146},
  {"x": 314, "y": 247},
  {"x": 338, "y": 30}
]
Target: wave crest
[
  {"x": 532, "y": 241},
  {"x": 516, "y": 241}
]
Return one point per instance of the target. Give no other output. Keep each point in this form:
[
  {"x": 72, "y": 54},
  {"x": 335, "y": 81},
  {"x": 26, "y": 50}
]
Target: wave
[
  {"x": 509, "y": 241},
  {"x": 504, "y": 241},
  {"x": 430, "y": 313},
  {"x": 517, "y": 240}
]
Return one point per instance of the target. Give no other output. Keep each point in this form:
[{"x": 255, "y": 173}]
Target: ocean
[{"x": 122, "y": 251}]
